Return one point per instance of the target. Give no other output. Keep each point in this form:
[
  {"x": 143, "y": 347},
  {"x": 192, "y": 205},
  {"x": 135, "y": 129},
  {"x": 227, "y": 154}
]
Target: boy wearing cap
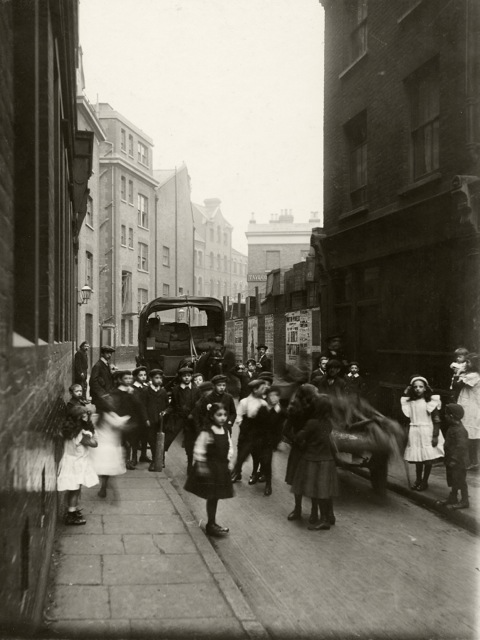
[
  {"x": 355, "y": 382},
  {"x": 264, "y": 363},
  {"x": 101, "y": 378},
  {"x": 155, "y": 400},
  {"x": 332, "y": 384},
  {"x": 140, "y": 383},
  {"x": 198, "y": 379},
  {"x": 219, "y": 395},
  {"x": 184, "y": 396},
  {"x": 456, "y": 457}
]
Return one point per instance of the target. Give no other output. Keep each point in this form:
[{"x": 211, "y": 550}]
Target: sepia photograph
[{"x": 240, "y": 319}]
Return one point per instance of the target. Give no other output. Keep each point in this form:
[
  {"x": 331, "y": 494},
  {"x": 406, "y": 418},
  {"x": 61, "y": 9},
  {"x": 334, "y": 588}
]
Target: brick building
[
  {"x": 173, "y": 235},
  {"x": 126, "y": 220},
  {"x": 89, "y": 264},
  {"x": 45, "y": 163},
  {"x": 220, "y": 270},
  {"x": 279, "y": 244},
  {"x": 399, "y": 264}
]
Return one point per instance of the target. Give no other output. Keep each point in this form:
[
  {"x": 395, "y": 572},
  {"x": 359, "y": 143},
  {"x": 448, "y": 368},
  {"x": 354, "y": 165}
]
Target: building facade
[
  {"x": 45, "y": 163},
  {"x": 126, "y": 223},
  {"x": 279, "y": 244},
  {"x": 398, "y": 267},
  {"x": 220, "y": 270}
]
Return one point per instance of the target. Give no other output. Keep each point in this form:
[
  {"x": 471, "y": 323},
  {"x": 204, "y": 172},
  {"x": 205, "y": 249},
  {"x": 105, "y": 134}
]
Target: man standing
[
  {"x": 264, "y": 363},
  {"x": 80, "y": 367},
  {"x": 101, "y": 378}
]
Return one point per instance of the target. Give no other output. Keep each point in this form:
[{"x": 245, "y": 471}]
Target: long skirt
[
  {"x": 294, "y": 458},
  {"x": 316, "y": 479}
]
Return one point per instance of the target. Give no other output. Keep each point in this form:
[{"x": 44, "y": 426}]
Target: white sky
[{"x": 234, "y": 88}]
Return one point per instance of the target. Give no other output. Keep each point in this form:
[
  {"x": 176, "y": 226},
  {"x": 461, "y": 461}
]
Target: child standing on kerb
[
  {"x": 209, "y": 477},
  {"x": 425, "y": 440},
  {"x": 76, "y": 469}
]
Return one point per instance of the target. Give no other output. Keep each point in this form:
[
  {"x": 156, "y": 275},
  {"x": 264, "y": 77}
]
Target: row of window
[
  {"x": 422, "y": 88},
  {"x": 215, "y": 289},
  {"x": 142, "y": 201},
  {"x": 142, "y": 150},
  {"x": 219, "y": 235},
  {"x": 220, "y": 263}
]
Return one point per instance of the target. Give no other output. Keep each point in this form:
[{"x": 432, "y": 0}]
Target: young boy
[
  {"x": 268, "y": 435},
  {"x": 198, "y": 379},
  {"x": 155, "y": 400},
  {"x": 355, "y": 382},
  {"x": 76, "y": 398},
  {"x": 456, "y": 457},
  {"x": 184, "y": 397},
  {"x": 140, "y": 382},
  {"x": 220, "y": 395},
  {"x": 123, "y": 403},
  {"x": 321, "y": 370},
  {"x": 458, "y": 366}
]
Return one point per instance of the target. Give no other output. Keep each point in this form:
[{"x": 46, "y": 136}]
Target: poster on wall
[
  {"x": 252, "y": 337},
  {"x": 299, "y": 336},
  {"x": 230, "y": 334},
  {"x": 238, "y": 340},
  {"x": 269, "y": 324}
]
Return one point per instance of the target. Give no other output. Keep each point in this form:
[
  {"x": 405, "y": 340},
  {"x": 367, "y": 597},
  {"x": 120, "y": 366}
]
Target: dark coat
[
  {"x": 80, "y": 368},
  {"x": 356, "y": 386},
  {"x": 101, "y": 382},
  {"x": 270, "y": 427},
  {"x": 456, "y": 446},
  {"x": 75, "y": 402},
  {"x": 244, "y": 379},
  {"x": 336, "y": 387},
  {"x": 266, "y": 364},
  {"x": 183, "y": 401},
  {"x": 314, "y": 440},
  {"x": 154, "y": 402}
]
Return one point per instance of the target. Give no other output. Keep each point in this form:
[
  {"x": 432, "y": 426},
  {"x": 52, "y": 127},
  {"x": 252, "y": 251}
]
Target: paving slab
[
  {"x": 80, "y": 569},
  {"x": 129, "y": 507},
  {"x": 144, "y": 524},
  {"x": 167, "y": 601},
  {"x": 93, "y": 525},
  {"x": 93, "y": 544},
  {"x": 160, "y": 569},
  {"x": 144, "y": 544},
  {"x": 220, "y": 628},
  {"x": 81, "y": 603},
  {"x": 91, "y": 628}
]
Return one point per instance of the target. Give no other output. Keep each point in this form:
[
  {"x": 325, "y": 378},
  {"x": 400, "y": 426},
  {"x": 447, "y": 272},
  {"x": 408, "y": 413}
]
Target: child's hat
[
  {"x": 185, "y": 370},
  {"x": 207, "y": 386},
  {"x": 197, "y": 375},
  {"x": 117, "y": 375},
  {"x": 219, "y": 378},
  {"x": 455, "y": 410},
  {"x": 155, "y": 372},
  {"x": 421, "y": 378},
  {"x": 136, "y": 371}
]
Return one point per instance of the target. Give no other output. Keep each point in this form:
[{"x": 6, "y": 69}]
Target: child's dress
[
  {"x": 469, "y": 399},
  {"x": 420, "y": 434},
  {"x": 76, "y": 469},
  {"x": 213, "y": 447},
  {"x": 108, "y": 458}
]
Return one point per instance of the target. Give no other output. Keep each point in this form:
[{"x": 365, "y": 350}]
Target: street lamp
[{"x": 84, "y": 295}]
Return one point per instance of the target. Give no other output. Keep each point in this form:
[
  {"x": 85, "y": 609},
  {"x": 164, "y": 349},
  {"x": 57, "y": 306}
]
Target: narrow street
[{"x": 388, "y": 568}]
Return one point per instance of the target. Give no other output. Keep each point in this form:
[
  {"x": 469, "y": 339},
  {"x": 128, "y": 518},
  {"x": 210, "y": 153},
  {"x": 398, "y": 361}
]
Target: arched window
[
  {"x": 219, "y": 265},
  {"x": 212, "y": 259},
  {"x": 225, "y": 264}
]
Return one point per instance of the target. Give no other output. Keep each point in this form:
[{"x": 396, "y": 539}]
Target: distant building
[
  {"x": 173, "y": 233},
  {"x": 126, "y": 222},
  {"x": 279, "y": 244},
  {"x": 220, "y": 270},
  {"x": 400, "y": 260}
]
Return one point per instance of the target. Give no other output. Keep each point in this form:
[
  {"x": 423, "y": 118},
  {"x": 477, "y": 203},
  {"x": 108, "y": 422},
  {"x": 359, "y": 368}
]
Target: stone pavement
[
  {"x": 141, "y": 567},
  {"x": 437, "y": 491}
]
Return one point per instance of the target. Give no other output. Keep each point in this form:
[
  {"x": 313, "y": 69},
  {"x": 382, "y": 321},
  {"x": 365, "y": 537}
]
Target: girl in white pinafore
[
  {"x": 469, "y": 399},
  {"x": 425, "y": 440}
]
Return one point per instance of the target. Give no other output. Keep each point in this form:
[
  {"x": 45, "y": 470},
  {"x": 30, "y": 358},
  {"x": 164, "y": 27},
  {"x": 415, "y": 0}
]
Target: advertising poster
[
  {"x": 252, "y": 337},
  {"x": 298, "y": 336},
  {"x": 269, "y": 324},
  {"x": 230, "y": 334},
  {"x": 239, "y": 340}
]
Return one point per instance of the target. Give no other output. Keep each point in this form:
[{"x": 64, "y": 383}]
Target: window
[
  {"x": 122, "y": 331},
  {"x": 212, "y": 234},
  {"x": 130, "y": 146},
  {"x": 130, "y": 238},
  {"x": 219, "y": 291},
  {"x": 123, "y": 188},
  {"x": 123, "y": 140},
  {"x": 234, "y": 266},
  {"x": 123, "y": 235},
  {"x": 342, "y": 286},
  {"x": 142, "y": 154},
  {"x": 89, "y": 214},
  {"x": 142, "y": 211},
  {"x": 89, "y": 269},
  {"x": 272, "y": 260},
  {"x": 200, "y": 259},
  {"x": 166, "y": 256},
  {"x": 142, "y": 298},
  {"x": 142, "y": 256},
  {"x": 212, "y": 260},
  {"x": 423, "y": 87},
  {"x": 219, "y": 265},
  {"x": 358, "y": 33},
  {"x": 219, "y": 235},
  {"x": 130, "y": 192},
  {"x": 212, "y": 287},
  {"x": 356, "y": 131},
  {"x": 126, "y": 292},
  {"x": 199, "y": 290},
  {"x": 225, "y": 237},
  {"x": 180, "y": 291},
  {"x": 166, "y": 290},
  {"x": 225, "y": 263},
  {"x": 369, "y": 283},
  {"x": 130, "y": 331}
]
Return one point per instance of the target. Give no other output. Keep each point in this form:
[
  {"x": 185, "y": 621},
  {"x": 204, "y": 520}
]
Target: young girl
[
  {"x": 210, "y": 476},
  {"x": 299, "y": 411},
  {"x": 425, "y": 440},
  {"x": 469, "y": 399},
  {"x": 75, "y": 467},
  {"x": 316, "y": 472}
]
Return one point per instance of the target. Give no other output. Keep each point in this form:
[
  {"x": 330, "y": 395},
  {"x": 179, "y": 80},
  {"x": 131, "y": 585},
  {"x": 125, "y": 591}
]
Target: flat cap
[
  {"x": 185, "y": 370},
  {"x": 107, "y": 349},
  {"x": 155, "y": 372},
  {"x": 262, "y": 346},
  {"x": 137, "y": 370},
  {"x": 219, "y": 378}
]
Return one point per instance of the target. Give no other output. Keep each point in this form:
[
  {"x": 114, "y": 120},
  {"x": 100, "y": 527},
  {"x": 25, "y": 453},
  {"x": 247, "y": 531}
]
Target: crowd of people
[{"x": 132, "y": 408}]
